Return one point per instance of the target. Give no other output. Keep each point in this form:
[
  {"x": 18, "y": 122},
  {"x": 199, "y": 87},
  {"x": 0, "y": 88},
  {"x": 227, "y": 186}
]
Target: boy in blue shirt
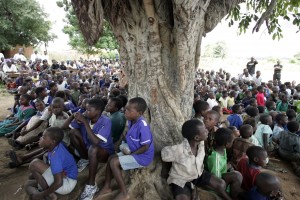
[
  {"x": 60, "y": 175},
  {"x": 94, "y": 142},
  {"x": 138, "y": 152},
  {"x": 235, "y": 119}
]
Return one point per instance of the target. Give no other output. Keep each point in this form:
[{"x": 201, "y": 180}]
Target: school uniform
[
  {"x": 248, "y": 172},
  {"x": 62, "y": 86},
  {"x": 101, "y": 129},
  {"x": 260, "y": 131},
  {"x": 61, "y": 161},
  {"x": 235, "y": 120}
]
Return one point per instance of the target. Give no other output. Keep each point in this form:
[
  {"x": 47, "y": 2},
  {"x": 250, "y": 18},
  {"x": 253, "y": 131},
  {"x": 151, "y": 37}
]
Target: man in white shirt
[
  {"x": 1, "y": 55},
  {"x": 20, "y": 55},
  {"x": 45, "y": 56},
  {"x": 34, "y": 56},
  {"x": 7, "y": 67},
  {"x": 257, "y": 79}
]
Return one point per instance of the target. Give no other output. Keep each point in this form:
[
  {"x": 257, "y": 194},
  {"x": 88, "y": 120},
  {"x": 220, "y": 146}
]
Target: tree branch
[{"x": 265, "y": 16}]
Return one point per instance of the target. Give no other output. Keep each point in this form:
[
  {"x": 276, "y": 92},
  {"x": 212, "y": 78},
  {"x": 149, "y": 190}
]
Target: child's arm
[
  {"x": 167, "y": 153},
  {"x": 265, "y": 140},
  {"x": 67, "y": 122},
  {"x": 141, "y": 150},
  {"x": 58, "y": 182},
  {"x": 36, "y": 125},
  {"x": 212, "y": 165}
]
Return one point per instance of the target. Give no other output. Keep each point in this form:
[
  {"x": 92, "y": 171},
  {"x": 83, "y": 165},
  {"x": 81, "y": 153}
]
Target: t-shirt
[
  {"x": 297, "y": 104},
  {"x": 62, "y": 86},
  {"x": 277, "y": 129},
  {"x": 223, "y": 102},
  {"x": 101, "y": 129},
  {"x": 139, "y": 134},
  {"x": 118, "y": 122},
  {"x": 217, "y": 163},
  {"x": 263, "y": 129},
  {"x": 248, "y": 172},
  {"x": 260, "y": 98},
  {"x": 230, "y": 102},
  {"x": 235, "y": 120},
  {"x": 282, "y": 107},
  {"x": 61, "y": 160},
  {"x": 251, "y": 67}
]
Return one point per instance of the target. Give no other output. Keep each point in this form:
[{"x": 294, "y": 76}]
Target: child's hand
[
  {"x": 79, "y": 117},
  {"x": 126, "y": 151}
]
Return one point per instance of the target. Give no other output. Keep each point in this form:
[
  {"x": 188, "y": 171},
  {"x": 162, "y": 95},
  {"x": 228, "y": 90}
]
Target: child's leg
[
  {"x": 108, "y": 177},
  {"x": 219, "y": 186},
  {"x": 96, "y": 154},
  {"x": 37, "y": 168},
  {"x": 77, "y": 143},
  {"x": 234, "y": 179}
]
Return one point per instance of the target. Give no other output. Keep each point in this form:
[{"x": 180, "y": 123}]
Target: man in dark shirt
[
  {"x": 277, "y": 71},
  {"x": 251, "y": 66}
]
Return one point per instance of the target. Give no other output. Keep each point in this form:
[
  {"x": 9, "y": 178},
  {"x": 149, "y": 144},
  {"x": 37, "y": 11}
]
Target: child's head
[
  {"x": 232, "y": 93},
  {"x": 268, "y": 185},
  {"x": 293, "y": 126},
  {"x": 135, "y": 108},
  {"x": 224, "y": 137},
  {"x": 75, "y": 86},
  {"x": 281, "y": 119},
  {"x": 236, "y": 132},
  {"x": 40, "y": 105},
  {"x": 270, "y": 105},
  {"x": 195, "y": 130},
  {"x": 196, "y": 97},
  {"x": 218, "y": 109},
  {"x": 261, "y": 109},
  {"x": 224, "y": 94},
  {"x": 257, "y": 156},
  {"x": 253, "y": 102},
  {"x": 237, "y": 109},
  {"x": 260, "y": 89},
  {"x": 61, "y": 94},
  {"x": 53, "y": 87},
  {"x": 113, "y": 105},
  {"x": 211, "y": 95},
  {"x": 57, "y": 106},
  {"x": 201, "y": 107},
  {"x": 252, "y": 111},
  {"x": 284, "y": 98},
  {"x": 124, "y": 99},
  {"x": 246, "y": 131},
  {"x": 211, "y": 119},
  {"x": 51, "y": 137},
  {"x": 94, "y": 108},
  {"x": 266, "y": 119},
  {"x": 25, "y": 99},
  {"x": 291, "y": 114},
  {"x": 41, "y": 92},
  {"x": 60, "y": 79}
]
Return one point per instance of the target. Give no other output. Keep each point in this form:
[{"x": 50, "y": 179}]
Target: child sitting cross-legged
[
  {"x": 251, "y": 166},
  {"x": 264, "y": 132},
  {"x": 59, "y": 176},
  {"x": 187, "y": 163},
  {"x": 137, "y": 152},
  {"x": 217, "y": 161}
]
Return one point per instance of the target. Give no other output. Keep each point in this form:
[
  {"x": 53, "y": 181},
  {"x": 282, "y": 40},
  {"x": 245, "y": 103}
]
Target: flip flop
[{"x": 13, "y": 158}]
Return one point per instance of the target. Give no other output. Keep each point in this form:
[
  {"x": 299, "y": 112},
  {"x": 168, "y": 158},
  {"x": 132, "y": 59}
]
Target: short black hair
[
  {"x": 200, "y": 106},
  {"x": 214, "y": 113},
  {"x": 55, "y": 133},
  {"x": 232, "y": 128},
  {"x": 60, "y": 94},
  {"x": 58, "y": 100},
  {"x": 124, "y": 99},
  {"x": 269, "y": 103},
  {"x": 252, "y": 111},
  {"x": 261, "y": 109},
  {"x": 252, "y": 100},
  {"x": 115, "y": 92},
  {"x": 223, "y": 136},
  {"x": 251, "y": 122},
  {"x": 140, "y": 104},
  {"x": 97, "y": 104},
  {"x": 52, "y": 84},
  {"x": 39, "y": 90},
  {"x": 280, "y": 117},
  {"x": 26, "y": 96},
  {"x": 293, "y": 126},
  {"x": 254, "y": 152},
  {"x": 246, "y": 130},
  {"x": 264, "y": 118},
  {"x": 118, "y": 102},
  {"x": 259, "y": 87},
  {"x": 217, "y": 108},
  {"x": 235, "y": 108},
  {"x": 291, "y": 114},
  {"x": 190, "y": 128}
]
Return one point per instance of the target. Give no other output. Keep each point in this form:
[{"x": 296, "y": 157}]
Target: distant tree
[
  {"x": 23, "y": 22},
  {"x": 77, "y": 42},
  {"x": 216, "y": 50}
]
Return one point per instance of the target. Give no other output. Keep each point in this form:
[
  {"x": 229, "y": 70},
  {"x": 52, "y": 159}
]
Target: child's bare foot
[
  {"x": 51, "y": 196},
  {"x": 104, "y": 190},
  {"x": 122, "y": 196}
]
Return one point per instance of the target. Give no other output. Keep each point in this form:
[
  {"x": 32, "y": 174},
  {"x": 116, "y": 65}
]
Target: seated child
[
  {"x": 270, "y": 106},
  {"x": 251, "y": 166},
  {"x": 281, "y": 121},
  {"x": 283, "y": 105},
  {"x": 60, "y": 175},
  {"x": 212, "y": 100},
  {"x": 25, "y": 111},
  {"x": 211, "y": 120},
  {"x": 222, "y": 123},
  {"x": 236, "y": 132},
  {"x": 241, "y": 144},
  {"x": 235, "y": 119},
  {"x": 11, "y": 86},
  {"x": 139, "y": 151},
  {"x": 187, "y": 163},
  {"x": 264, "y": 132},
  {"x": 117, "y": 118},
  {"x": 224, "y": 102},
  {"x": 217, "y": 161},
  {"x": 291, "y": 114},
  {"x": 200, "y": 107},
  {"x": 266, "y": 187}
]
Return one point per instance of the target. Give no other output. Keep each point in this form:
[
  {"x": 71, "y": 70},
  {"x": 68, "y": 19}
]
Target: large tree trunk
[{"x": 160, "y": 48}]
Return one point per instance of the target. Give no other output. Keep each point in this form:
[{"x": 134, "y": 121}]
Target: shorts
[
  {"x": 68, "y": 183},
  {"x": 128, "y": 162},
  {"x": 204, "y": 179}
]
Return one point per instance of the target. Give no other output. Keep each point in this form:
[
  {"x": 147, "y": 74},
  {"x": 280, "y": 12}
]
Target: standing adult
[
  {"x": 277, "y": 71},
  {"x": 251, "y": 66},
  {"x": 20, "y": 55},
  {"x": 35, "y": 56}
]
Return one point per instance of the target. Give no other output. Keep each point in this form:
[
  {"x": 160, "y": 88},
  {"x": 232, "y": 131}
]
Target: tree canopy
[
  {"x": 107, "y": 40},
  {"x": 23, "y": 22}
]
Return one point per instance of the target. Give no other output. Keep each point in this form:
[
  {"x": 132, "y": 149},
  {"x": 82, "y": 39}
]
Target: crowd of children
[{"x": 86, "y": 111}]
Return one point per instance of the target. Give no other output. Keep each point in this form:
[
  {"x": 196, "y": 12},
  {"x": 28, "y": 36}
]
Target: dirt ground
[{"x": 12, "y": 180}]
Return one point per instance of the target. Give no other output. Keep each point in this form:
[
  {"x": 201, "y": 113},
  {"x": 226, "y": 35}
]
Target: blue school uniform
[
  {"x": 101, "y": 129},
  {"x": 139, "y": 134},
  {"x": 253, "y": 194},
  {"x": 235, "y": 120},
  {"x": 61, "y": 160}
]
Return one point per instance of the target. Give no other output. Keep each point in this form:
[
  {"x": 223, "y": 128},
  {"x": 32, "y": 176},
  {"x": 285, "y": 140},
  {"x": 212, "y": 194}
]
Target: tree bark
[{"x": 160, "y": 48}]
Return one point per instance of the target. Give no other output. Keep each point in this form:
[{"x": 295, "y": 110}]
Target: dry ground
[{"x": 12, "y": 180}]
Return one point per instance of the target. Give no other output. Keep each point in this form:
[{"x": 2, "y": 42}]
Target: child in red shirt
[
  {"x": 11, "y": 86},
  {"x": 260, "y": 97},
  {"x": 250, "y": 167}
]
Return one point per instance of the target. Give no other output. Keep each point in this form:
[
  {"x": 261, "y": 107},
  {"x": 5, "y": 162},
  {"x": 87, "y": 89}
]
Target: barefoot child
[
  {"x": 187, "y": 163},
  {"x": 60, "y": 175},
  {"x": 140, "y": 150}
]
